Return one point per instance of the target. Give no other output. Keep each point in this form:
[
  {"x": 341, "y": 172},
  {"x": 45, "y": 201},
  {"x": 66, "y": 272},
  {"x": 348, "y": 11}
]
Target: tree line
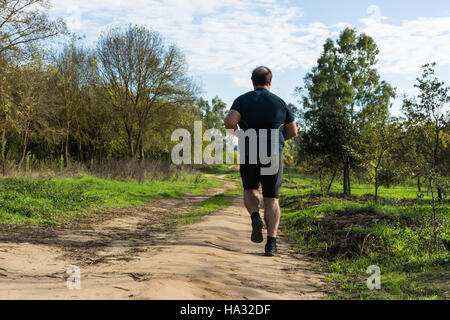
[
  {"x": 122, "y": 98},
  {"x": 348, "y": 127}
]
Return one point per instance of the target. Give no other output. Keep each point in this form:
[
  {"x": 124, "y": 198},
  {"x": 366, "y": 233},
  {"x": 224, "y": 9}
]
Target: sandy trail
[{"x": 131, "y": 257}]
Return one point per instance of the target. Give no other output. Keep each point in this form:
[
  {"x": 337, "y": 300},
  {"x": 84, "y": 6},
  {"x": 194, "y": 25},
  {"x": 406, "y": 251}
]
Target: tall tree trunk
[
  {"x": 436, "y": 170},
  {"x": 139, "y": 146},
  {"x": 25, "y": 147},
  {"x": 349, "y": 182},
  {"x": 419, "y": 187},
  {"x": 129, "y": 131},
  {"x": 347, "y": 187},
  {"x": 332, "y": 179},
  {"x": 92, "y": 156},
  {"x": 3, "y": 152},
  {"x": 141, "y": 151},
  {"x": 376, "y": 185},
  {"x": 345, "y": 178},
  {"x": 439, "y": 191},
  {"x": 80, "y": 150},
  {"x": 66, "y": 148},
  {"x": 320, "y": 178},
  {"x": 130, "y": 147},
  {"x": 130, "y": 144}
]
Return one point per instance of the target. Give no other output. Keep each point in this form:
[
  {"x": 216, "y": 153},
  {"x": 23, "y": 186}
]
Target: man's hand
[
  {"x": 290, "y": 130},
  {"x": 232, "y": 120}
]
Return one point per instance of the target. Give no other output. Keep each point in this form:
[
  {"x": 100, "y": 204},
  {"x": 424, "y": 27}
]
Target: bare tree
[
  {"x": 71, "y": 82},
  {"x": 23, "y": 22},
  {"x": 142, "y": 75}
]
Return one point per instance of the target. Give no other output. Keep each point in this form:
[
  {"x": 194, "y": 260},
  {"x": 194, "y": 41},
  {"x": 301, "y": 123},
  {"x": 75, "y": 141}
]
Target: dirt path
[{"x": 131, "y": 257}]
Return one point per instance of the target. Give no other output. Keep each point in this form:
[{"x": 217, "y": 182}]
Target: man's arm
[
  {"x": 290, "y": 130},
  {"x": 232, "y": 120}
]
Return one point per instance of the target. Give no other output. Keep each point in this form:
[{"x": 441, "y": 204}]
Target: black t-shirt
[{"x": 261, "y": 109}]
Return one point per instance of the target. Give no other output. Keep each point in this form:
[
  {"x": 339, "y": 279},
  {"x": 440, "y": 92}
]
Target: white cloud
[
  {"x": 232, "y": 36},
  {"x": 243, "y": 82},
  {"x": 218, "y": 36},
  {"x": 406, "y": 47}
]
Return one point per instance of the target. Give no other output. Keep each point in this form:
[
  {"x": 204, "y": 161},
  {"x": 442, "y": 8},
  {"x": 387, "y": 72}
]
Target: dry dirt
[{"x": 130, "y": 255}]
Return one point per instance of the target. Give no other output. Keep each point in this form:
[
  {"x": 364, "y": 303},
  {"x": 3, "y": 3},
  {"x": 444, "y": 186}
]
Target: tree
[
  {"x": 377, "y": 146},
  {"x": 214, "y": 114},
  {"x": 23, "y": 22},
  {"x": 428, "y": 117},
  {"x": 71, "y": 82},
  {"x": 4, "y": 110},
  {"x": 141, "y": 76},
  {"x": 377, "y": 131},
  {"x": 26, "y": 86},
  {"x": 335, "y": 94}
]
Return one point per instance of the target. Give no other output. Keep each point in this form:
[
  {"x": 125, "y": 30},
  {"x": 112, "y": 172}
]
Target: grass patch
[
  {"x": 214, "y": 203},
  {"x": 206, "y": 207},
  {"x": 348, "y": 234},
  {"x": 217, "y": 169},
  {"x": 231, "y": 172},
  {"x": 47, "y": 201}
]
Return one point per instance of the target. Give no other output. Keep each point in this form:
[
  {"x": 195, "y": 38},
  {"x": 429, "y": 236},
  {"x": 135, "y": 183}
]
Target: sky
[{"x": 224, "y": 40}]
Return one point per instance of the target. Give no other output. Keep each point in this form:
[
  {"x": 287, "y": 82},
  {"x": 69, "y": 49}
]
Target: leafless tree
[
  {"x": 142, "y": 76},
  {"x": 23, "y": 22}
]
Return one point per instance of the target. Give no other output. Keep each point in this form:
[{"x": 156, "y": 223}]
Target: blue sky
[{"x": 223, "y": 40}]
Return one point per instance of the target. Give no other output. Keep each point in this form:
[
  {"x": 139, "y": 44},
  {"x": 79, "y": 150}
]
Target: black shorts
[{"x": 252, "y": 179}]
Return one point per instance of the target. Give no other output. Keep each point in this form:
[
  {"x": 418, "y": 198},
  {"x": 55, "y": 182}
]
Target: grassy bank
[
  {"x": 47, "y": 201},
  {"x": 346, "y": 235}
]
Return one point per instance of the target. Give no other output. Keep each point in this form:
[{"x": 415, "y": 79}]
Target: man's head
[{"x": 262, "y": 77}]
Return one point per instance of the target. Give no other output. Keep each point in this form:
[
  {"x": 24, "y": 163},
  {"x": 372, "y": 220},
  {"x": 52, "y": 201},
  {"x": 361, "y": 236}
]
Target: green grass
[
  {"x": 49, "y": 201},
  {"x": 206, "y": 207},
  {"x": 214, "y": 203},
  {"x": 231, "y": 172},
  {"x": 342, "y": 235},
  {"x": 217, "y": 169}
]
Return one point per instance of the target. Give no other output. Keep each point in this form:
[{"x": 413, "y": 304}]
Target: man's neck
[{"x": 262, "y": 87}]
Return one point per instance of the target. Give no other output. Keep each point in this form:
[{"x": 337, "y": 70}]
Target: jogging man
[{"x": 261, "y": 109}]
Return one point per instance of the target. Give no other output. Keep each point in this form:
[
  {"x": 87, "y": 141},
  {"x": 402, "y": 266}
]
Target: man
[{"x": 261, "y": 109}]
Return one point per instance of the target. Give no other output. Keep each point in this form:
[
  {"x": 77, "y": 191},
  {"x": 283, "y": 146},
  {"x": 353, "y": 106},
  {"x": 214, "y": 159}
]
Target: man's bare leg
[
  {"x": 252, "y": 201},
  {"x": 272, "y": 214}
]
